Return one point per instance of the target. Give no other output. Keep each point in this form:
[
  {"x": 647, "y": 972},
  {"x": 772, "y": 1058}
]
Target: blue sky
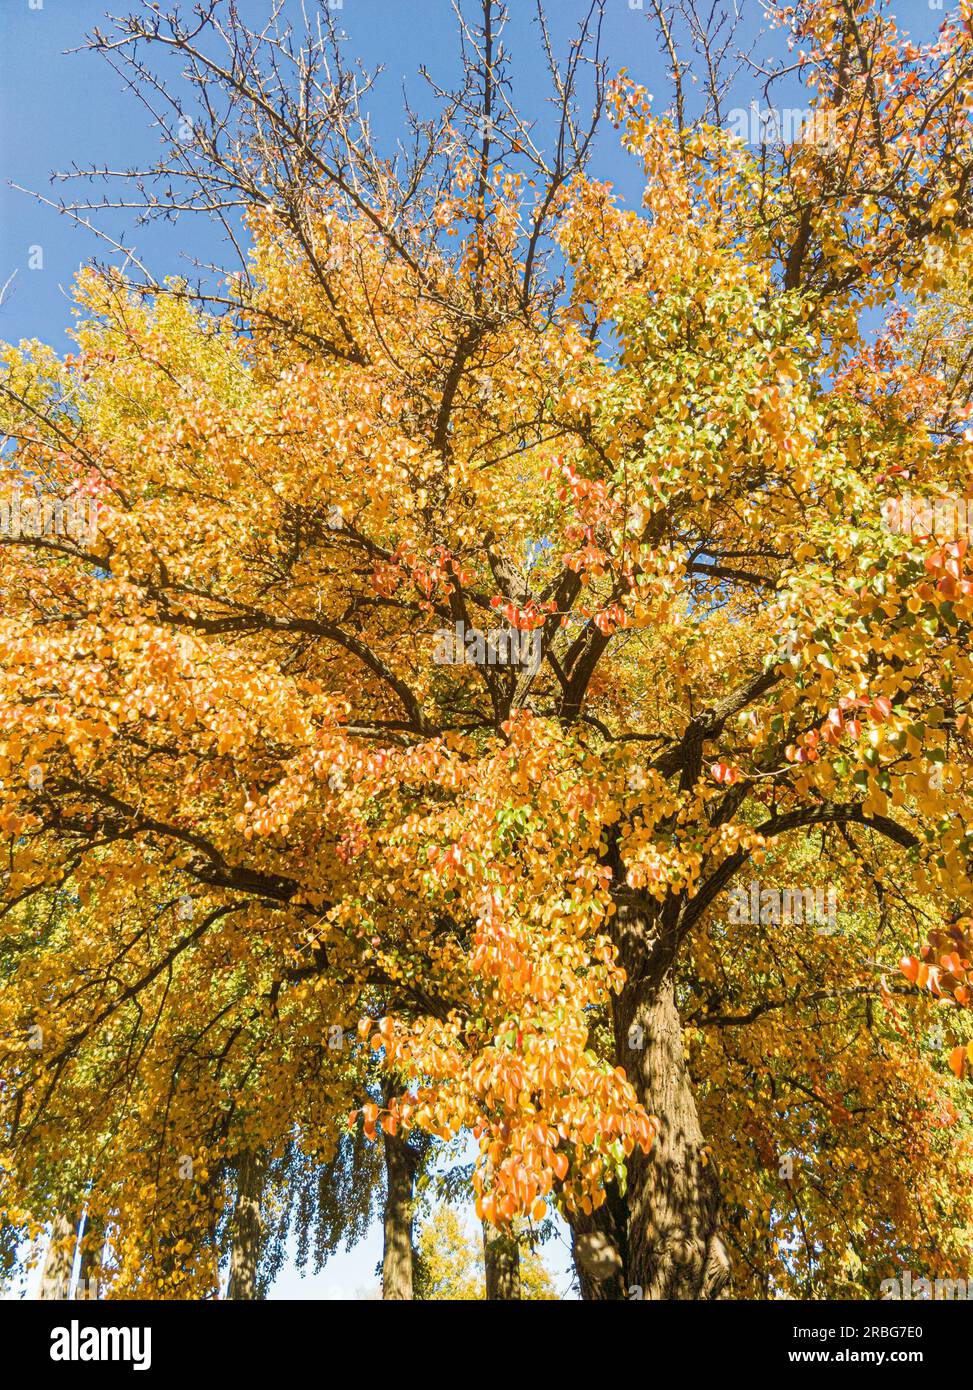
[{"x": 59, "y": 109}]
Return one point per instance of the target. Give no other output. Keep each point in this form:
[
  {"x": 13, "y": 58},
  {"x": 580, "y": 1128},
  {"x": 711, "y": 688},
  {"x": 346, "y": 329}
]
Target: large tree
[{"x": 488, "y": 578}]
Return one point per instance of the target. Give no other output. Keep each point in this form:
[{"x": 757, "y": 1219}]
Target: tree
[
  {"x": 462, "y": 632},
  {"x": 451, "y": 1263},
  {"x": 247, "y": 1225},
  {"x": 401, "y": 1163},
  {"x": 59, "y": 1259},
  {"x": 501, "y": 1264}
]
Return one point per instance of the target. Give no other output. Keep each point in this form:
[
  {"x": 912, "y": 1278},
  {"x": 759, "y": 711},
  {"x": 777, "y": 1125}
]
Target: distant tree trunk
[
  {"x": 501, "y": 1263},
  {"x": 247, "y": 1226},
  {"x": 59, "y": 1259},
  {"x": 92, "y": 1244},
  {"x": 401, "y": 1164}
]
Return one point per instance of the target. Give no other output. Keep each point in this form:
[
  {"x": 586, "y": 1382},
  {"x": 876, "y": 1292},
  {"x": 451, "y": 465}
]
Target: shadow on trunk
[{"x": 662, "y": 1240}]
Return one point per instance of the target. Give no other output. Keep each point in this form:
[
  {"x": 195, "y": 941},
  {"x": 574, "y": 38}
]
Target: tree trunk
[
  {"x": 674, "y": 1246},
  {"x": 247, "y": 1226},
  {"x": 59, "y": 1259},
  {"x": 92, "y": 1244},
  {"x": 599, "y": 1245},
  {"x": 501, "y": 1264},
  {"x": 401, "y": 1164}
]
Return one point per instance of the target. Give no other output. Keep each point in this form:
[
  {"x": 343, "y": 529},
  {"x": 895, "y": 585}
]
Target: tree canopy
[{"x": 490, "y": 580}]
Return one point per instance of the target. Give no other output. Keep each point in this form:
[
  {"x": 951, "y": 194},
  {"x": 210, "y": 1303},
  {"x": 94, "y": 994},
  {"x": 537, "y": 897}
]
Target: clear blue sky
[{"x": 59, "y": 109}]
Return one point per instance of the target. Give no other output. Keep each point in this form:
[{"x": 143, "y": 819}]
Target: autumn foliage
[{"x": 271, "y": 869}]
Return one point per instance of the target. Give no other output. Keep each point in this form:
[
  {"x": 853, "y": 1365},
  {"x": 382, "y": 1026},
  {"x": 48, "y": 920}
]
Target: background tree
[{"x": 450, "y": 1263}]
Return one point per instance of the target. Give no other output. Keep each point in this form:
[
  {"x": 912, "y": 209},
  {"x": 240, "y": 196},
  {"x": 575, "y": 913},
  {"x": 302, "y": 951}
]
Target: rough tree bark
[
  {"x": 599, "y": 1246},
  {"x": 672, "y": 1246},
  {"x": 59, "y": 1259},
  {"x": 401, "y": 1164},
  {"x": 247, "y": 1226},
  {"x": 501, "y": 1264}
]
